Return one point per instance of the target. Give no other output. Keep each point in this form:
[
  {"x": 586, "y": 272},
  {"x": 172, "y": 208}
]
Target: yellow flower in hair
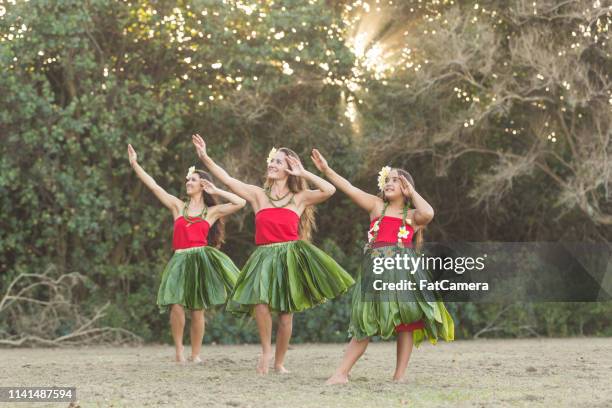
[
  {"x": 271, "y": 155},
  {"x": 382, "y": 177},
  {"x": 190, "y": 172}
]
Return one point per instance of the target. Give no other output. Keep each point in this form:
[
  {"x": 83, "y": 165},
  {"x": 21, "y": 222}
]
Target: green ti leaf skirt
[
  {"x": 197, "y": 278},
  {"x": 379, "y": 316},
  {"x": 289, "y": 277}
]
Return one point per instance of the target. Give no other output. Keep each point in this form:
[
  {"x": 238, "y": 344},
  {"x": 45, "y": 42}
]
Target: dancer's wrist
[
  {"x": 205, "y": 158},
  {"x": 308, "y": 175}
]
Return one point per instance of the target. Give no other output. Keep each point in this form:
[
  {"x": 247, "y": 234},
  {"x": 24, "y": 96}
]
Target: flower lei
[
  {"x": 373, "y": 232},
  {"x": 271, "y": 155},
  {"x": 402, "y": 233}
]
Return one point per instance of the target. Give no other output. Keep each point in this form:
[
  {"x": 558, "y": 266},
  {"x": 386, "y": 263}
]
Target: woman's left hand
[
  {"x": 295, "y": 167},
  {"x": 209, "y": 187},
  {"x": 407, "y": 188}
]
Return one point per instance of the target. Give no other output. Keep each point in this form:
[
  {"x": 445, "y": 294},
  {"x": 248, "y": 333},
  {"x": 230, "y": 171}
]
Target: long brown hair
[
  {"x": 419, "y": 233},
  {"x": 295, "y": 185},
  {"x": 216, "y": 234}
]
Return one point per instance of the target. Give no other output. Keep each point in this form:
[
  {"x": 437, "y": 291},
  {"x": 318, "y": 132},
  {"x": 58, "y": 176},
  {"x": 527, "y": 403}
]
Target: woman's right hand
[
  {"x": 200, "y": 146},
  {"x": 132, "y": 155},
  {"x": 319, "y": 161}
]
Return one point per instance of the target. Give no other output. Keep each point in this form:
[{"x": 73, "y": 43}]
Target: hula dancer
[
  {"x": 286, "y": 273},
  {"x": 198, "y": 276},
  {"x": 392, "y": 222}
]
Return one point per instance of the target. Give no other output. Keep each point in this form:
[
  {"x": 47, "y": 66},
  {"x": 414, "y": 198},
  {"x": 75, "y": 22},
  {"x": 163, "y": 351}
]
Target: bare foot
[
  {"x": 337, "y": 379},
  {"x": 281, "y": 370},
  {"x": 400, "y": 380},
  {"x": 195, "y": 359},
  {"x": 179, "y": 358},
  {"x": 263, "y": 365}
]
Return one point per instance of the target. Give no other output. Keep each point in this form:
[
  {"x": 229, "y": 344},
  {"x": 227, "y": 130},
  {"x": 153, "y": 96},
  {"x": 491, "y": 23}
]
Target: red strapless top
[
  {"x": 276, "y": 225},
  {"x": 189, "y": 235},
  {"x": 387, "y": 233},
  {"x": 388, "y": 229}
]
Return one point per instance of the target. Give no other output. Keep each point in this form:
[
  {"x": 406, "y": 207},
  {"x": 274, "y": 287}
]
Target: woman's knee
[
  {"x": 176, "y": 308},
  {"x": 197, "y": 314},
  {"x": 261, "y": 308},
  {"x": 361, "y": 342},
  {"x": 285, "y": 319}
]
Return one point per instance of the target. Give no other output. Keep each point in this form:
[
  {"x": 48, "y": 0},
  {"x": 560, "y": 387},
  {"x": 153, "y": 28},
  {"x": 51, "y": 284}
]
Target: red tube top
[
  {"x": 387, "y": 233},
  {"x": 388, "y": 229},
  {"x": 189, "y": 235},
  {"x": 276, "y": 225}
]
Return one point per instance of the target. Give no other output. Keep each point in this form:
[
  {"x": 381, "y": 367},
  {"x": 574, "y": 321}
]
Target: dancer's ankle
[
  {"x": 280, "y": 368},
  {"x": 338, "y": 378},
  {"x": 398, "y": 378},
  {"x": 263, "y": 365}
]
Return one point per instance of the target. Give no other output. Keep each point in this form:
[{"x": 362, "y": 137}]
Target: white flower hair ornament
[
  {"x": 271, "y": 155},
  {"x": 190, "y": 172},
  {"x": 382, "y": 177}
]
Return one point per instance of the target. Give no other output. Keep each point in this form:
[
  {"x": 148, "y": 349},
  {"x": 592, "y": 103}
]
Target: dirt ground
[{"x": 482, "y": 373}]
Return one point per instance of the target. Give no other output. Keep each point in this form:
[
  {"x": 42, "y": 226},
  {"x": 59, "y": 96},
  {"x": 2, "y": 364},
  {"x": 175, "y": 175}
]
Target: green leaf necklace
[
  {"x": 192, "y": 220},
  {"x": 272, "y": 200}
]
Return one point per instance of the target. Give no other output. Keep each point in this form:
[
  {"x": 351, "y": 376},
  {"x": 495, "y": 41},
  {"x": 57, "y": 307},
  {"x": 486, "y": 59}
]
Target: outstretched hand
[
  {"x": 200, "y": 145},
  {"x": 295, "y": 167},
  {"x": 319, "y": 161},
  {"x": 132, "y": 155}
]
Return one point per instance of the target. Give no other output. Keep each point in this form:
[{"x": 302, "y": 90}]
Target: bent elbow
[{"x": 429, "y": 216}]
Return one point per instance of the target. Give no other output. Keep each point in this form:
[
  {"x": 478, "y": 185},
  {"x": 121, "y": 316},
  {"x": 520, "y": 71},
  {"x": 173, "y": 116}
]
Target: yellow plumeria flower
[
  {"x": 190, "y": 172},
  {"x": 382, "y": 177},
  {"x": 271, "y": 155},
  {"x": 403, "y": 233}
]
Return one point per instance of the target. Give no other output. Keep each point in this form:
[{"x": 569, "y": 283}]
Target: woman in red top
[
  {"x": 392, "y": 222},
  {"x": 286, "y": 273},
  {"x": 198, "y": 276}
]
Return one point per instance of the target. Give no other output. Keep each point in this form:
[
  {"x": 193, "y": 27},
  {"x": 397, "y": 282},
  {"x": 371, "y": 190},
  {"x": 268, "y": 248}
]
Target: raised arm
[
  {"x": 423, "y": 211},
  {"x": 247, "y": 191},
  {"x": 369, "y": 202},
  {"x": 170, "y": 201},
  {"x": 310, "y": 197},
  {"x": 221, "y": 210}
]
